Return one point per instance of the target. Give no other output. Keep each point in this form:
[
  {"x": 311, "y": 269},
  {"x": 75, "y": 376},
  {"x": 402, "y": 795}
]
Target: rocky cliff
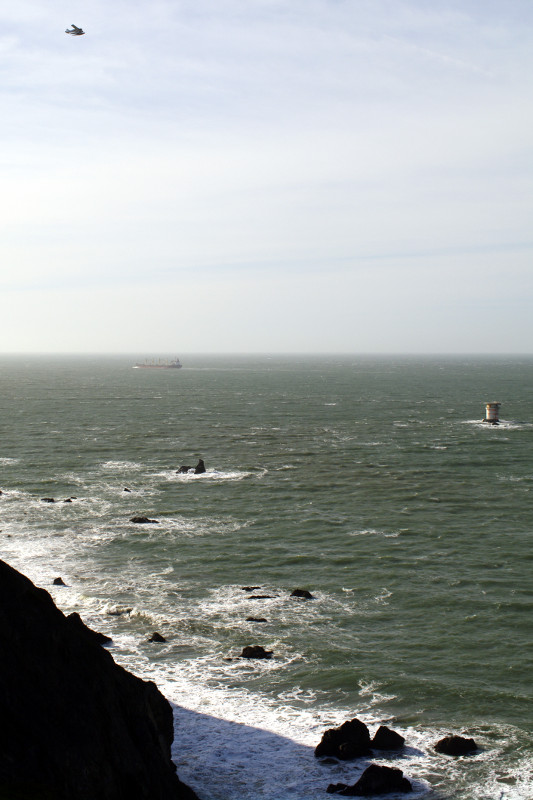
[{"x": 73, "y": 724}]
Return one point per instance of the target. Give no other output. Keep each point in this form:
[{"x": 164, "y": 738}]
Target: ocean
[{"x": 370, "y": 482}]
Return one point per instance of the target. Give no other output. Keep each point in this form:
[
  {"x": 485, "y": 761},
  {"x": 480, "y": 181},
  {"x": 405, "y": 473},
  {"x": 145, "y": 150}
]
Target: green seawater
[{"x": 371, "y": 482}]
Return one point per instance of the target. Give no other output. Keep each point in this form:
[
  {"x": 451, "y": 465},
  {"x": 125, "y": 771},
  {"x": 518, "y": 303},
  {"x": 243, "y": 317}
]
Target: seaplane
[{"x": 75, "y": 31}]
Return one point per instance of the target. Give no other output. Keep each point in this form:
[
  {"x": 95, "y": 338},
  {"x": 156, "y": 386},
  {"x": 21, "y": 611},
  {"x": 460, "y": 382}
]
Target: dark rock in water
[
  {"x": 74, "y": 723},
  {"x": 77, "y": 624},
  {"x": 143, "y": 520},
  {"x": 199, "y": 469},
  {"x": 260, "y": 597},
  {"x": 374, "y": 780},
  {"x": 250, "y": 588},
  {"x": 68, "y": 500},
  {"x": 125, "y": 489},
  {"x": 350, "y": 740},
  {"x": 456, "y": 746},
  {"x": 47, "y": 500},
  {"x": 255, "y": 651},
  {"x": 156, "y": 637},
  {"x": 385, "y": 739},
  {"x": 59, "y": 582},
  {"x": 303, "y": 593},
  {"x": 255, "y": 619}
]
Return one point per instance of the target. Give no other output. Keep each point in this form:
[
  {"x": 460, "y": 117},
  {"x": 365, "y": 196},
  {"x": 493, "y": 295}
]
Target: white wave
[{"x": 5, "y": 462}]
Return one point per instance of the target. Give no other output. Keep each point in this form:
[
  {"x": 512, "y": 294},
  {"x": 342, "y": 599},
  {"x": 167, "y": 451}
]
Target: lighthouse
[{"x": 492, "y": 413}]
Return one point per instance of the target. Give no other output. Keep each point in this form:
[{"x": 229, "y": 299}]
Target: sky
[{"x": 266, "y": 176}]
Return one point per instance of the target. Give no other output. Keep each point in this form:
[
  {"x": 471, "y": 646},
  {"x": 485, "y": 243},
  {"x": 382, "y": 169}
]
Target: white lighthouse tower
[{"x": 492, "y": 413}]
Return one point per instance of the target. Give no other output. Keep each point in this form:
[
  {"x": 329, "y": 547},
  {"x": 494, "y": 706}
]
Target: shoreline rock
[{"x": 74, "y": 723}]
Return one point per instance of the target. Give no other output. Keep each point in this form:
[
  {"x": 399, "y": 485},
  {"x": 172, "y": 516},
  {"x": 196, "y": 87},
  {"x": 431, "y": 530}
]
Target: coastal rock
[
  {"x": 351, "y": 740},
  {"x": 374, "y": 780},
  {"x": 303, "y": 593},
  {"x": 59, "y": 582},
  {"x": 456, "y": 746},
  {"x": 199, "y": 469},
  {"x": 74, "y": 723},
  {"x": 47, "y": 500},
  {"x": 255, "y": 619},
  {"x": 255, "y": 651},
  {"x": 250, "y": 588},
  {"x": 386, "y": 739},
  {"x": 144, "y": 520},
  {"x": 77, "y": 624},
  {"x": 156, "y": 637}
]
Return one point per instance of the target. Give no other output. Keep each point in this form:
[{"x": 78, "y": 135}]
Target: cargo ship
[{"x": 159, "y": 364}]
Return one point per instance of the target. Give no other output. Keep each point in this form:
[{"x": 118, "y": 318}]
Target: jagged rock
[
  {"x": 374, "y": 780},
  {"x": 351, "y": 740},
  {"x": 456, "y": 746},
  {"x": 143, "y": 520},
  {"x": 255, "y": 619},
  {"x": 385, "y": 739},
  {"x": 255, "y": 651},
  {"x": 125, "y": 489},
  {"x": 199, "y": 469},
  {"x": 74, "y": 723},
  {"x": 156, "y": 637},
  {"x": 59, "y": 582},
  {"x": 303, "y": 593},
  {"x": 78, "y": 625}
]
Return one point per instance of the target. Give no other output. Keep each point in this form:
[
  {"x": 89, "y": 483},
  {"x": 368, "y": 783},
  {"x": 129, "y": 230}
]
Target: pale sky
[{"x": 266, "y": 176}]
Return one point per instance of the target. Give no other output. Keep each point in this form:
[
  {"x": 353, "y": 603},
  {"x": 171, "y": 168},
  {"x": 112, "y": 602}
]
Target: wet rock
[
  {"x": 386, "y": 739},
  {"x": 200, "y": 468},
  {"x": 255, "y": 619},
  {"x": 250, "y": 588},
  {"x": 303, "y": 593},
  {"x": 351, "y": 740},
  {"x": 143, "y": 520},
  {"x": 59, "y": 582},
  {"x": 183, "y": 469},
  {"x": 156, "y": 637},
  {"x": 255, "y": 651},
  {"x": 456, "y": 746},
  {"x": 125, "y": 489},
  {"x": 118, "y": 612},
  {"x": 47, "y": 500},
  {"x": 374, "y": 780},
  {"x": 68, "y": 500},
  {"x": 260, "y": 597}
]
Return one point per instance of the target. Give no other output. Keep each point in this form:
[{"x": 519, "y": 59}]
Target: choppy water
[{"x": 370, "y": 482}]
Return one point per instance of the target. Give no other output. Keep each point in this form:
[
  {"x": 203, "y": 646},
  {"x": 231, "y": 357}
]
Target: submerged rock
[
  {"x": 456, "y": 746},
  {"x": 303, "y": 593},
  {"x": 255, "y": 619},
  {"x": 47, "y": 500},
  {"x": 144, "y": 520},
  {"x": 255, "y": 651},
  {"x": 156, "y": 637},
  {"x": 351, "y": 740},
  {"x": 74, "y": 723},
  {"x": 374, "y": 780}
]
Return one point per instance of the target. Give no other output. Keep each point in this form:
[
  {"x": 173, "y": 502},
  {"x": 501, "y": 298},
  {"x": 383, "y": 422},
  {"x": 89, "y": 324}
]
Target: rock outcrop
[
  {"x": 350, "y": 740},
  {"x": 456, "y": 746},
  {"x": 74, "y": 723},
  {"x": 374, "y": 780}
]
